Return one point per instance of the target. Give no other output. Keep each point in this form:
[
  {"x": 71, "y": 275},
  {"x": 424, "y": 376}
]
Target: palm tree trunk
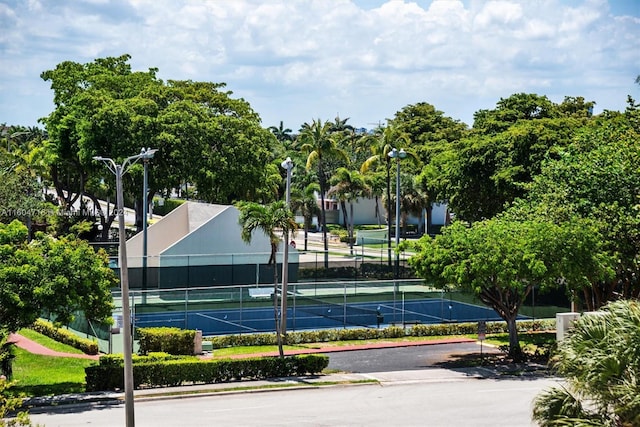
[
  {"x": 324, "y": 217},
  {"x": 351, "y": 228},
  {"x": 345, "y": 217}
]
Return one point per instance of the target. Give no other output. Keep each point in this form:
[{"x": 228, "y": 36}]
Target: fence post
[{"x": 186, "y": 308}]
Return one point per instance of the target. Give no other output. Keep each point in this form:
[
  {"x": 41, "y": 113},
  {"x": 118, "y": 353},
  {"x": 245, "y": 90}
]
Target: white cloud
[{"x": 298, "y": 60}]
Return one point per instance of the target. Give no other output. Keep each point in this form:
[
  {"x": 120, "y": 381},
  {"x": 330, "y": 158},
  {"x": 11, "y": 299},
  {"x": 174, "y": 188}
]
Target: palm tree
[
  {"x": 349, "y": 186},
  {"x": 413, "y": 200},
  {"x": 306, "y": 203},
  {"x": 381, "y": 143},
  {"x": 316, "y": 140},
  {"x": 600, "y": 361},
  {"x": 268, "y": 219},
  {"x": 340, "y": 125},
  {"x": 281, "y": 133}
]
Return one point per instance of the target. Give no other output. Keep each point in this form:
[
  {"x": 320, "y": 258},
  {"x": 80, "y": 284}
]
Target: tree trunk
[
  {"x": 515, "y": 352},
  {"x": 506, "y": 303}
]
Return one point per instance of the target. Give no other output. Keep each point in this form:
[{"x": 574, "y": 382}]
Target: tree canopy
[
  {"x": 60, "y": 276},
  {"x": 596, "y": 177},
  {"x": 204, "y": 136},
  {"x": 490, "y": 166},
  {"x": 501, "y": 260}
]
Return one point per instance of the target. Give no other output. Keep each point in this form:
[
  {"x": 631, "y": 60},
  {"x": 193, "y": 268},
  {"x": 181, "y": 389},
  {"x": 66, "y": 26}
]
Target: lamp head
[
  {"x": 148, "y": 153},
  {"x": 287, "y": 164},
  {"x": 395, "y": 154}
]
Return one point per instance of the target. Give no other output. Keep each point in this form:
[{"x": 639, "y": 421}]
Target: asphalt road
[
  {"x": 402, "y": 358},
  {"x": 429, "y": 397}
]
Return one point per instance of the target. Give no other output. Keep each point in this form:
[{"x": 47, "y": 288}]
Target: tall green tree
[
  {"x": 596, "y": 177},
  {"x": 600, "y": 363},
  {"x": 316, "y": 139},
  {"x": 380, "y": 144},
  {"x": 269, "y": 219},
  {"x": 60, "y": 276},
  {"x": 204, "y": 136},
  {"x": 501, "y": 260},
  {"x": 486, "y": 170}
]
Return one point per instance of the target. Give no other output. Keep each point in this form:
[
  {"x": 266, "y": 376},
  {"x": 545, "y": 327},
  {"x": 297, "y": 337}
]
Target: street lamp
[
  {"x": 13, "y": 136},
  {"x": 145, "y": 155},
  {"x": 287, "y": 164},
  {"x": 398, "y": 155},
  {"x": 119, "y": 171}
]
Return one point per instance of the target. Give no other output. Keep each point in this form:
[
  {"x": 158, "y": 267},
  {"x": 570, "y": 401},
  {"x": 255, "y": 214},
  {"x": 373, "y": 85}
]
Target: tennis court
[{"x": 313, "y": 313}]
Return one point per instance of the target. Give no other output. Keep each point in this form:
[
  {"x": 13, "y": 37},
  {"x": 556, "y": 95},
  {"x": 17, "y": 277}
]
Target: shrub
[
  {"x": 420, "y": 330},
  {"x": 167, "y": 340},
  {"x": 10, "y": 405},
  {"x": 109, "y": 373},
  {"x": 65, "y": 336}
]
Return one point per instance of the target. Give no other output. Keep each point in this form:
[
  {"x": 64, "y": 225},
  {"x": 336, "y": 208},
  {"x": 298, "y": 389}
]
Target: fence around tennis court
[{"x": 317, "y": 305}]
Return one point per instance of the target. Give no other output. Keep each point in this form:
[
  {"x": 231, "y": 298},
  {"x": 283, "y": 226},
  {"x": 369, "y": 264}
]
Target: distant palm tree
[
  {"x": 281, "y": 133},
  {"x": 316, "y": 140},
  {"x": 349, "y": 186},
  {"x": 413, "y": 200},
  {"x": 340, "y": 125},
  {"x": 269, "y": 219},
  {"x": 600, "y": 361},
  {"x": 381, "y": 143},
  {"x": 306, "y": 203}
]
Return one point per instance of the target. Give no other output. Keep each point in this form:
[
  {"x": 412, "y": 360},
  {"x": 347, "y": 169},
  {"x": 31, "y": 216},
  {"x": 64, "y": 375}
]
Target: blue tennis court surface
[{"x": 320, "y": 316}]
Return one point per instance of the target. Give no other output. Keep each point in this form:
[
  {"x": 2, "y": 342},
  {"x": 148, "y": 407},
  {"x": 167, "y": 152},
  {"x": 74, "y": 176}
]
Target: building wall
[
  {"x": 203, "y": 247},
  {"x": 160, "y": 235}
]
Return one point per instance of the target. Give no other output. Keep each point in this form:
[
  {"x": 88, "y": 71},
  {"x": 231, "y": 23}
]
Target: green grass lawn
[{"x": 38, "y": 375}]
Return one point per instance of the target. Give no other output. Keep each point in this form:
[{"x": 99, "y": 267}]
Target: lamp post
[
  {"x": 398, "y": 155},
  {"x": 119, "y": 170},
  {"x": 287, "y": 164},
  {"x": 145, "y": 155}
]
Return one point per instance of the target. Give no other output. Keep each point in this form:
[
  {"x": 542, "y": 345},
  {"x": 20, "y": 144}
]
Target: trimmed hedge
[
  {"x": 420, "y": 330},
  {"x": 65, "y": 336},
  {"x": 109, "y": 373},
  {"x": 166, "y": 340},
  {"x": 364, "y": 270},
  {"x": 167, "y": 206}
]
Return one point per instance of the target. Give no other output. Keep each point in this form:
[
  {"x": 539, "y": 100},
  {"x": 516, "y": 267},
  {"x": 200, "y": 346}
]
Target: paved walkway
[
  {"x": 354, "y": 347},
  {"x": 35, "y": 348}
]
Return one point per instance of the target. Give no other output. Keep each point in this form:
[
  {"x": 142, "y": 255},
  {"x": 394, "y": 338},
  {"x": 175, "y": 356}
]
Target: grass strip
[{"x": 48, "y": 342}]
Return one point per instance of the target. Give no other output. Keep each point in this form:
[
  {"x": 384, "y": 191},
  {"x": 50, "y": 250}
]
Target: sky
[{"x": 299, "y": 60}]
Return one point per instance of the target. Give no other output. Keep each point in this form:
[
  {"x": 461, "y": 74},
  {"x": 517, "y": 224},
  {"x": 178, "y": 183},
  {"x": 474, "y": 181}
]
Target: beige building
[{"x": 199, "y": 244}]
